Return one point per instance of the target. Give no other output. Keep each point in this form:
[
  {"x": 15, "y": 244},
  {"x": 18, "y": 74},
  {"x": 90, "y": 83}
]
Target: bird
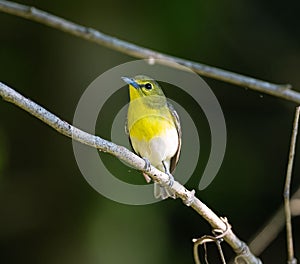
[{"x": 154, "y": 129}]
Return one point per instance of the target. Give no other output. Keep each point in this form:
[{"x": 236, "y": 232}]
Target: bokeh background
[{"x": 49, "y": 213}]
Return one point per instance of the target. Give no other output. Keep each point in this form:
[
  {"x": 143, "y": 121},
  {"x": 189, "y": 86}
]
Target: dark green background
[{"x": 49, "y": 213}]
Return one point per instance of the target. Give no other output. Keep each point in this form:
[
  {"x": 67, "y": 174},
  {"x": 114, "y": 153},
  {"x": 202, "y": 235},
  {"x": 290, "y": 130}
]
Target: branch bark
[
  {"x": 286, "y": 194},
  {"x": 188, "y": 197},
  {"x": 283, "y": 91}
]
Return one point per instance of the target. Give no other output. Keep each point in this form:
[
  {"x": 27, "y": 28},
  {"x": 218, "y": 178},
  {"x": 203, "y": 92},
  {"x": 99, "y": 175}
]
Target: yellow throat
[{"x": 148, "y": 115}]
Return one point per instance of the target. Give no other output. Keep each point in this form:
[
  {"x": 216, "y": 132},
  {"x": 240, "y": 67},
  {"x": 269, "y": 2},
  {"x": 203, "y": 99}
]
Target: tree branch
[
  {"x": 284, "y": 214},
  {"x": 286, "y": 193},
  {"x": 271, "y": 230},
  {"x": 64, "y": 128},
  {"x": 283, "y": 91}
]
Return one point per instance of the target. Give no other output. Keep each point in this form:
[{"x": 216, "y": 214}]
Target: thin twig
[
  {"x": 283, "y": 215},
  {"x": 283, "y": 91},
  {"x": 221, "y": 252},
  {"x": 272, "y": 228},
  {"x": 217, "y": 238},
  {"x": 188, "y": 197},
  {"x": 286, "y": 193}
]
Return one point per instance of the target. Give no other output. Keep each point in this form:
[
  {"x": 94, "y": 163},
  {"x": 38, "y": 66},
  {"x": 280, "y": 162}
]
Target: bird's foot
[
  {"x": 146, "y": 168},
  {"x": 147, "y": 164},
  {"x": 171, "y": 179},
  {"x": 167, "y": 171}
]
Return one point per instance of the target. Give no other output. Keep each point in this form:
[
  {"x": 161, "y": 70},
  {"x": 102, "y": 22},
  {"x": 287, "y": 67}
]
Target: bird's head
[{"x": 142, "y": 86}]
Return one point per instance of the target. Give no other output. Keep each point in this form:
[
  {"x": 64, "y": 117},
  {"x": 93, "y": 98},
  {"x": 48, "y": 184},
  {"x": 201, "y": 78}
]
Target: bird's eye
[{"x": 148, "y": 86}]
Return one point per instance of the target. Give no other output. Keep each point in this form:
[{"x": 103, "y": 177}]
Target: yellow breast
[
  {"x": 149, "y": 127},
  {"x": 156, "y": 139},
  {"x": 145, "y": 122}
]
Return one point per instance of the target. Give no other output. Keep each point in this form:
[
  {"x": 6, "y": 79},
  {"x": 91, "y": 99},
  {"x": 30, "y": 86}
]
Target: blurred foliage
[{"x": 49, "y": 213}]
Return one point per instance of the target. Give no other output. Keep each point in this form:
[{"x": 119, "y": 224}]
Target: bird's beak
[{"x": 131, "y": 81}]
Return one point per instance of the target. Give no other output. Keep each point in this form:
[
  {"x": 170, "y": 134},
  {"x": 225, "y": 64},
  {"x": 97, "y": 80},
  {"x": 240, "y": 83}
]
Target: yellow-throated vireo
[{"x": 154, "y": 129}]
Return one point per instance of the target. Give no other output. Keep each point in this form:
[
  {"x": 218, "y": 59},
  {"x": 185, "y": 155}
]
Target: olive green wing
[
  {"x": 175, "y": 158},
  {"x": 127, "y": 133}
]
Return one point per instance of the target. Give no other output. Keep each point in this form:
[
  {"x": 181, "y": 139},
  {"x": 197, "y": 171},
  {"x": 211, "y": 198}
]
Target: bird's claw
[
  {"x": 147, "y": 164},
  {"x": 171, "y": 179},
  {"x": 147, "y": 169}
]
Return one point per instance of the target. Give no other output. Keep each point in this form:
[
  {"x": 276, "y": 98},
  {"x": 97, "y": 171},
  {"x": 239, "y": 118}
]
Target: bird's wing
[
  {"x": 127, "y": 133},
  {"x": 175, "y": 158}
]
